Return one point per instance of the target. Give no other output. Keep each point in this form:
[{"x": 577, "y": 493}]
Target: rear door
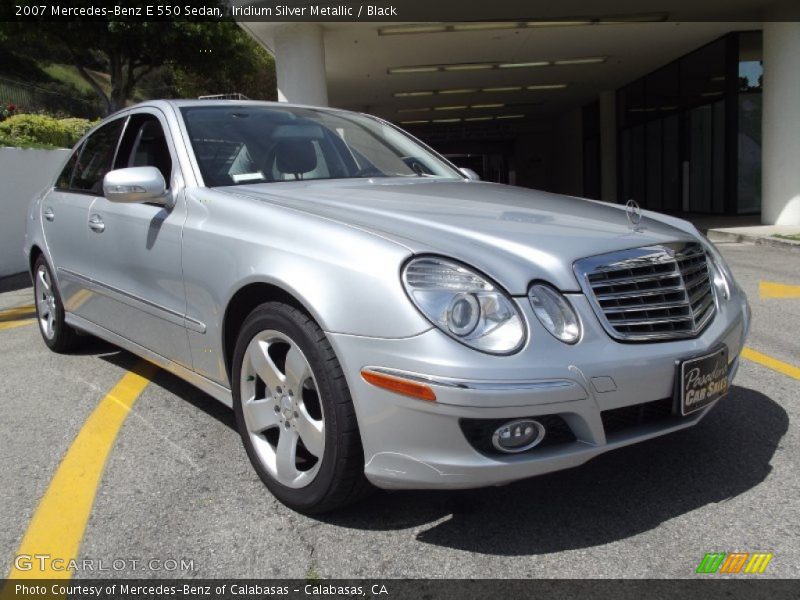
[
  {"x": 138, "y": 247},
  {"x": 65, "y": 214}
]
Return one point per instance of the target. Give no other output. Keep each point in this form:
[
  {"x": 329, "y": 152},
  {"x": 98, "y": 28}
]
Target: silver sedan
[{"x": 374, "y": 315}]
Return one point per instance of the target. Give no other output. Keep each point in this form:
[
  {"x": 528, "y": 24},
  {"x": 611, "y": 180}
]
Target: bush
[
  {"x": 76, "y": 128},
  {"x": 41, "y": 130}
]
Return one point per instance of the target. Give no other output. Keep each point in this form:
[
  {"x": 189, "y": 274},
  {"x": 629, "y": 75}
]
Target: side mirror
[
  {"x": 469, "y": 174},
  {"x": 135, "y": 184}
]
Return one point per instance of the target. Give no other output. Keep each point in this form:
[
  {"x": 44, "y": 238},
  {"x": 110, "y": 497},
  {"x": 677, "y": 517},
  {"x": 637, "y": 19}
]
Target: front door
[{"x": 138, "y": 247}]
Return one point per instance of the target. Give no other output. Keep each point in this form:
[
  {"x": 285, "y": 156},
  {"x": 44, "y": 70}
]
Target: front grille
[
  {"x": 650, "y": 293},
  {"x": 638, "y": 415}
]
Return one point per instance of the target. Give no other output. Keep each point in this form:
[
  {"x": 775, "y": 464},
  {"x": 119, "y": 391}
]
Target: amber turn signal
[{"x": 399, "y": 385}]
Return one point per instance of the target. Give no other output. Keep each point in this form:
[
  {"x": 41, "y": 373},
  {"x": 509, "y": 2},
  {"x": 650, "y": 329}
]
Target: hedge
[{"x": 41, "y": 130}]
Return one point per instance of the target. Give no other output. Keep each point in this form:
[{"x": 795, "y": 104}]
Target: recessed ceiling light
[
  {"x": 413, "y": 110},
  {"x": 505, "y": 25},
  {"x": 471, "y": 119},
  {"x": 580, "y": 61},
  {"x": 401, "y": 70},
  {"x": 458, "y": 91},
  {"x": 417, "y": 122},
  {"x": 488, "y": 25},
  {"x": 504, "y": 88},
  {"x": 548, "y": 86},
  {"x": 468, "y": 67},
  {"x": 504, "y": 65},
  {"x": 496, "y": 105},
  {"x": 523, "y": 65},
  {"x": 447, "y": 120},
  {"x": 413, "y": 94},
  {"x": 460, "y": 107},
  {"x": 561, "y": 23},
  {"x": 404, "y": 29},
  {"x": 509, "y": 116}
]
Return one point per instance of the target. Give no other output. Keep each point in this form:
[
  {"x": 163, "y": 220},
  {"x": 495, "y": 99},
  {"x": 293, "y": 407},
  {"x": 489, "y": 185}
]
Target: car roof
[{"x": 181, "y": 103}]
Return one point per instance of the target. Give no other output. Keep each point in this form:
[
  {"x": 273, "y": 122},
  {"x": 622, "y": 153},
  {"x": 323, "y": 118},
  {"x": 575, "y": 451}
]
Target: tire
[
  {"x": 58, "y": 336},
  {"x": 294, "y": 411}
]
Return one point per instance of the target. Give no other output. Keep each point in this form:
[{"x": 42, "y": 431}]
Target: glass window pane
[
  {"x": 95, "y": 159},
  {"x": 65, "y": 178}
]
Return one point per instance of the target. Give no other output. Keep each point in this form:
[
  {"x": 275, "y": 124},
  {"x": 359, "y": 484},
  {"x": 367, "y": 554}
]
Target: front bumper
[{"x": 412, "y": 443}]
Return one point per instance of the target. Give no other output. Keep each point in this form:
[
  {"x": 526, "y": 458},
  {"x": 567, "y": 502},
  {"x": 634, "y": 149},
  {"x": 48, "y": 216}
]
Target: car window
[
  {"x": 145, "y": 145},
  {"x": 255, "y": 144},
  {"x": 95, "y": 158},
  {"x": 65, "y": 178}
]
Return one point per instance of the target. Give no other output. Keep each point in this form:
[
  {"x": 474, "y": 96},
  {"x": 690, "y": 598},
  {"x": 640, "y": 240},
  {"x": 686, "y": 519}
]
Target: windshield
[{"x": 237, "y": 145}]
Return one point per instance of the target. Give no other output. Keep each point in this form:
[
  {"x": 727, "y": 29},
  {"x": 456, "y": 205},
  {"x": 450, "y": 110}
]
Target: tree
[{"x": 130, "y": 49}]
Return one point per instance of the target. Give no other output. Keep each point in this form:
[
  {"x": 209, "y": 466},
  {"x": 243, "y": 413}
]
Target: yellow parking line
[
  {"x": 59, "y": 522},
  {"x": 18, "y": 312},
  {"x": 770, "y": 289},
  {"x": 771, "y": 363},
  {"x": 13, "y": 324}
]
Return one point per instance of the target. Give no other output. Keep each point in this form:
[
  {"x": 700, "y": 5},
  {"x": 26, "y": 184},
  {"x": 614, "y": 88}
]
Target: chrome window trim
[{"x": 656, "y": 254}]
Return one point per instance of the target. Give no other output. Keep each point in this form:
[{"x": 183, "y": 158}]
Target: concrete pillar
[
  {"x": 300, "y": 64},
  {"x": 780, "y": 203},
  {"x": 608, "y": 146}
]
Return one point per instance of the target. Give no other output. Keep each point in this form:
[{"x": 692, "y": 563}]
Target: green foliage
[
  {"x": 211, "y": 56},
  {"x": 42, "y": 131},
  {"x": 75, "y": 128}
]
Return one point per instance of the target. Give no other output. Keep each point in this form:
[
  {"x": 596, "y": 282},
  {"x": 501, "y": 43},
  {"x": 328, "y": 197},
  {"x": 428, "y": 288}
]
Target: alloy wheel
[
  {"x": 45, "y": 302},
  {"x": 282, "y": 409}
]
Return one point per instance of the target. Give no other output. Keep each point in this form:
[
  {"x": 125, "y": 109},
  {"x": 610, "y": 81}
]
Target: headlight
[
  {"x": 464, "y": 304},
  {"x": 555, "y": 312},
  {"x": 720, "y": 271}
]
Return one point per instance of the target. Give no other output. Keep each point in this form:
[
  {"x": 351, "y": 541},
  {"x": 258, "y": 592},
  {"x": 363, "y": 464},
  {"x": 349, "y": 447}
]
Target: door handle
[
  {"x": 96, "y": 224},
  {"x": 49, "y": 214}
]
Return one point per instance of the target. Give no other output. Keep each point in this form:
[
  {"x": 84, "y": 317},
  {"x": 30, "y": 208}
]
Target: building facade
[{"x": 684, "y": 116}]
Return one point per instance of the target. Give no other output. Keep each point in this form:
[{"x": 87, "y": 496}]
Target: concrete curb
[{"x": 727, "y": 235}]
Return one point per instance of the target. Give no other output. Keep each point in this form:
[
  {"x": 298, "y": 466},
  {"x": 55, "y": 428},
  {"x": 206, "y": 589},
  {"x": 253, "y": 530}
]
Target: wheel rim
[
  {"x": 282, "y": 409},
  {"x": 45, "y": 303}
]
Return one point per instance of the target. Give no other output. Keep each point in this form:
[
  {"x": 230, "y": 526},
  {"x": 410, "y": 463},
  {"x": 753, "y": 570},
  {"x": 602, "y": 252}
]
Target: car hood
[{"x": 514, "y": 235}]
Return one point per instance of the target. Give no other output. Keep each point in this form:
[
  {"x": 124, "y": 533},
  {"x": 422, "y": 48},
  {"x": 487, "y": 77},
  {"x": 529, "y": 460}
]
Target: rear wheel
[
  {"x": 294, "y": 411},
  {"x": 58, "y": 336}
]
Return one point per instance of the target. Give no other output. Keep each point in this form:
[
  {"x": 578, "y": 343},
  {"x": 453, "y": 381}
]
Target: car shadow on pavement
[
  {"x": 614, "y": 496},
  {"x": 169, "y": 382}
]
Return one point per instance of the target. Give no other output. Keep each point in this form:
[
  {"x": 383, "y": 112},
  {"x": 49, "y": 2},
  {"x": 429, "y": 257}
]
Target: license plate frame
[{"x": 701, "y": 380}]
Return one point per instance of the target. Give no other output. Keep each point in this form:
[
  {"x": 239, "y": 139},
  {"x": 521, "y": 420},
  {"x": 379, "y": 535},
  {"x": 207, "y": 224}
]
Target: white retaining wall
[{"x": 23, "y": 173}]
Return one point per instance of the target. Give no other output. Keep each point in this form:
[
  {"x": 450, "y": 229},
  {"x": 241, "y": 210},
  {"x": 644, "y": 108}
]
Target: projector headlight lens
[{"x": 464, "y": 304}]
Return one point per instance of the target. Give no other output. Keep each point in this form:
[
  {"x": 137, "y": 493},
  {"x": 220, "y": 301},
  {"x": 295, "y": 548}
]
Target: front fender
[{"x": 347, "y": 278}]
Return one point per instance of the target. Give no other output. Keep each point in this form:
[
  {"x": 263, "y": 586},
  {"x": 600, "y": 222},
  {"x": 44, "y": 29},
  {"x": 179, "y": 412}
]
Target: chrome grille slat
[
  {"x": 637, "y": 279},
  {"x": 638, "y": 322},
  {"x": 626, "y": 295},
  {"x": 644, "y": 307},
  {"x": 650, "y": 293}
]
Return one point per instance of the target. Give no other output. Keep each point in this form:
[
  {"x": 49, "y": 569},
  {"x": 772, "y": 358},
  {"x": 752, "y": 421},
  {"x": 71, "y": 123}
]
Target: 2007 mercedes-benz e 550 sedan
[{"x": 372, "y": 313}]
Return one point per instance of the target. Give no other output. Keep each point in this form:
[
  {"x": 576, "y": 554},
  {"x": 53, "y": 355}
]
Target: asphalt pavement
[{"x": 178, "y": 486}]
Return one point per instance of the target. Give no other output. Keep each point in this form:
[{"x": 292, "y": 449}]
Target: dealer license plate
[{"x": 703, "y": 380}]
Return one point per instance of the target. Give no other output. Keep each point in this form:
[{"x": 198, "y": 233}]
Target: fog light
[{"x": 518, "y": 436}]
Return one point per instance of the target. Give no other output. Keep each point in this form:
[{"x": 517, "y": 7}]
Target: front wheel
[{"x": 294, "y": 411}]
